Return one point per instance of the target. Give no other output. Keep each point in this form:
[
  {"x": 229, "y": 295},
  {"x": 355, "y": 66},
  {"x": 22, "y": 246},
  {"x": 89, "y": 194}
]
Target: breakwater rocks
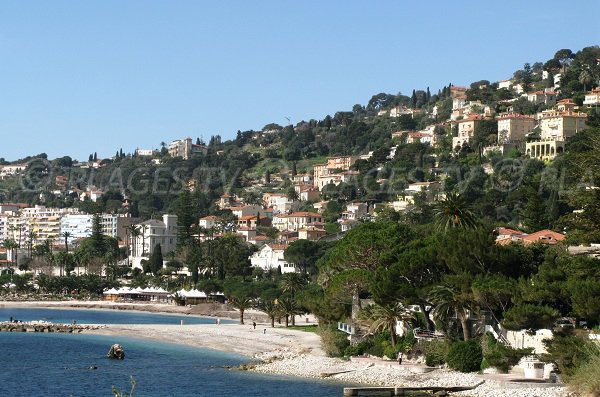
[{"x": 43, "y": 326}]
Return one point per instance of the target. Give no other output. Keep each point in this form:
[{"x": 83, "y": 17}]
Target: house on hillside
[{"x": 271, "y": 257}]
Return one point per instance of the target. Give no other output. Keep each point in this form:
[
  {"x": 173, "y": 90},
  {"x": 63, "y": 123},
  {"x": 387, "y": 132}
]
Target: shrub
[
  {"x": 465, "y": 356},
  {"x": 499, "y": 356},
  {"x": 435, "y": 351},
  {"x": 358, "y": 349},
  {"x": 434, "y": 359},
  {"x": 334, "y": 342},
  {"x": 566, "y": 350},
  {"x": 585, "y": 378}
]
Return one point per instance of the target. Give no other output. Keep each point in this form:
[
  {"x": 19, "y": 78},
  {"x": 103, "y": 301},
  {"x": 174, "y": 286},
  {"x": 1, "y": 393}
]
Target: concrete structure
[
  {"x": 270, "y": 257},
  {"x": 512, "y": 127},
  {"x": 312, "y": 233},
  {"x": 246, "y": 210},
  {"x": 11, "y": 170},
  {"x": 144, "y": 152}
]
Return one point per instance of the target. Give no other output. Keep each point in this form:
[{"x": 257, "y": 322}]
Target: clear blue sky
[{"x": 78, "y": 77}]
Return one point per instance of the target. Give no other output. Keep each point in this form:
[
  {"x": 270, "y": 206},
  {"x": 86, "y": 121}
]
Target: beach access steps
[{"x": 404, "y": 391}]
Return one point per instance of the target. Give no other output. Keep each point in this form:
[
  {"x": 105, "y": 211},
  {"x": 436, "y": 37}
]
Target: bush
[
  {"x": 359, "y": 349},
  {"x": 334, "y": 342},
  {"x": 435, "y": 351},
  {"x": 566, "y": 350},
  {"x": 465, "y": 356},
  {"x": 499, "y": 356},
  {"x": 434, "y": 359},
  {"x": 585, "y": 378}
]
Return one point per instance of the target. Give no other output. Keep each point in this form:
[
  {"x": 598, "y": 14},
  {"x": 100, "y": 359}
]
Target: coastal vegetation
[{"x": 439, "y": 258}]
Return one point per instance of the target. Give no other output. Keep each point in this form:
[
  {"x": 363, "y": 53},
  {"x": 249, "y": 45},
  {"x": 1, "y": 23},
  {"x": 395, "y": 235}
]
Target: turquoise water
[
  {"x": 67, "y": 316},
  {"x": 37, "y": 364}
]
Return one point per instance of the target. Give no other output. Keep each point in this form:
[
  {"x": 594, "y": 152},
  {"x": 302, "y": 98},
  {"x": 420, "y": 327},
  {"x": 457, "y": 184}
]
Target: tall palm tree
[
  {"x": 30, "y": 237},
  {"x": 384, "y": 318},
  {"x": 454, "y": 212},
  {"x": 11, "y": 245},
  {"x": 66, "y": 236},
  {"x": 134, "y": 233},
  {"x": 585, "y": 78},
  {"x": 292, "y": 283},
  {"x": 450, "y": 301}
]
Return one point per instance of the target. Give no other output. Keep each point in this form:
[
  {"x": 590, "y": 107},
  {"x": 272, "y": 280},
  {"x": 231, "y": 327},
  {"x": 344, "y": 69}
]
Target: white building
[
  {"x": 592, "y": 97},
  {"x": 154, "y": 232},
  {"x": 271, "y": 257},
  {"x": 513, "y": 127}
]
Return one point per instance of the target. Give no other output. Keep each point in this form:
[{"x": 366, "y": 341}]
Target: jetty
[
  {"x": 43, "y": 326},
  {"x": 405, "y": 391}
]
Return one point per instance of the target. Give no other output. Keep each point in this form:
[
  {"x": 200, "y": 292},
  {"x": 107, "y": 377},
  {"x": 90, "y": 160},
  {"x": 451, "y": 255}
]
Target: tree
[
  {"x": 11, "y": 245},
  {"x": 270, "y": 309},
  {"x": 292, "y": 194},
  {"x": 185, "y": 218},
  {"x": 450, "y": 301},
  {"x": 290, "y": 309},
  {"x": 156, "y": 260},
  {"x": 292, "y": 283},
  {"x": 585, "y": 78},
  {"x": 454, "y": 212},
  {"x": 66, "y": 236},
  {"x": 97, "y": 238},
  {"x": 384, "y": 318},
  {"x": 303, "y": 254}
]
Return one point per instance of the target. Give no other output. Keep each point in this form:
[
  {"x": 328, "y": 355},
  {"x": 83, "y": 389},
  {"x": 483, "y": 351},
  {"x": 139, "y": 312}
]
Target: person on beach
[
  {"x": 400, "y": 358},
  {"x": 264, "y": 331},
  {"x": 254, "y": 324}
]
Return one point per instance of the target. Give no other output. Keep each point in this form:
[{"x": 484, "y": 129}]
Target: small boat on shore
[{"x": 116, "y": 352}]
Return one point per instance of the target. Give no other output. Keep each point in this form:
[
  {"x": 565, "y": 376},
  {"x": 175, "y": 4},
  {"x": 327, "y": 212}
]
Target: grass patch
[{"x": 305, "y": 328}]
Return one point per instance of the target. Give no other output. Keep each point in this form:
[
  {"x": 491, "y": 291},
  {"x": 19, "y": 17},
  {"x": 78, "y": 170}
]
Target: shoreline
[{"x": 281, "y": 351}]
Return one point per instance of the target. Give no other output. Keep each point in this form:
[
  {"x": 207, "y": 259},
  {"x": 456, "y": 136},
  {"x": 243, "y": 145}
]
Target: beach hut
[
  {"x": 111, "y": 295},
  {"x": 194, "y": 297}
]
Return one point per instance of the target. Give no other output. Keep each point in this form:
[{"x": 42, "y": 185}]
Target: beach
[{"x": 291, "y": 352}]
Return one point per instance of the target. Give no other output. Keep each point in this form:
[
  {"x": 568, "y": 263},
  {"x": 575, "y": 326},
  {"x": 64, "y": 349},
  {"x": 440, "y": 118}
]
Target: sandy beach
[{"x": 290, "y": 352}]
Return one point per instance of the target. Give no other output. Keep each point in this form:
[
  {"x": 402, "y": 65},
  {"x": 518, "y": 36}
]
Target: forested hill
[{"x": 152, "y": 184}]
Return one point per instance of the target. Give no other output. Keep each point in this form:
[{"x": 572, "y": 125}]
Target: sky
[{"x": 78, "y": 77}]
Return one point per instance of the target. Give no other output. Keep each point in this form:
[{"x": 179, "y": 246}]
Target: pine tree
[
  {"x": 98, "y": 241},
  {"x": 185, "y": 218}
]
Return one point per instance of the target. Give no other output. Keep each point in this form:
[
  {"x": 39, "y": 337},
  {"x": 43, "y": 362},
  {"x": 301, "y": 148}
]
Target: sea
[{"x": 40, "y": 364}]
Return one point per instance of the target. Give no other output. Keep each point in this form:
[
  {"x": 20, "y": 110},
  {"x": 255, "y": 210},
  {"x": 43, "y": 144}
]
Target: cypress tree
[{"x": 98, "y": 243}]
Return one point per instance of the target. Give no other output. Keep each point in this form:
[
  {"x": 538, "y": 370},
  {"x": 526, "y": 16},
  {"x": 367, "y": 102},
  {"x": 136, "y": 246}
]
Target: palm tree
[
  {"x": 271, "y": 309},
  {"x": 290, "y": 308},
  {"x": 384, "y": 318},
  {"x": 292, "y": 283},
  {"x": 454, "y": 211},
  {"x": 66, "y": 236},
  {"x": 31, "y": 236},
  {"x": 450, "y": 302},
  {"x": 242, "y": 303},
  {"x": 292, "y": 194},
  {"x": 585, "y": 78},
  {"x": 11, "y": 245},
  {"x": 134, "y": 232}
]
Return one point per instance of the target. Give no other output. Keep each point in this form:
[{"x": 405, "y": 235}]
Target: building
[
  {"x": 144, "y": 152},
  {"x": 271, "y": 257},
  {"x": 592, "y": 97},
  {"x": 330, "y": 172},
  {"x": 7, "y": 171},
  {"x": 156, "y": 232},
  {"x": 209, "y": 221},
  {"x": 185, "y": 148},
  {"x": 41, "y": 223},
  {"x": 81, "y": 225},
  {"x": 246, "y": 210},
  {"x": 512, "y": 127},
  {"x": 312, "y": 233},
  {"x": 278, "y": 201},
  {"x": 545, "y": 97},
  {"x": 466, "y": 130},
  {"x": 504, "y": 84},
  {"x": 419, "y": 137},
  {"x": 556, "y": 126},
  {"x": 296, "y": 221}
]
